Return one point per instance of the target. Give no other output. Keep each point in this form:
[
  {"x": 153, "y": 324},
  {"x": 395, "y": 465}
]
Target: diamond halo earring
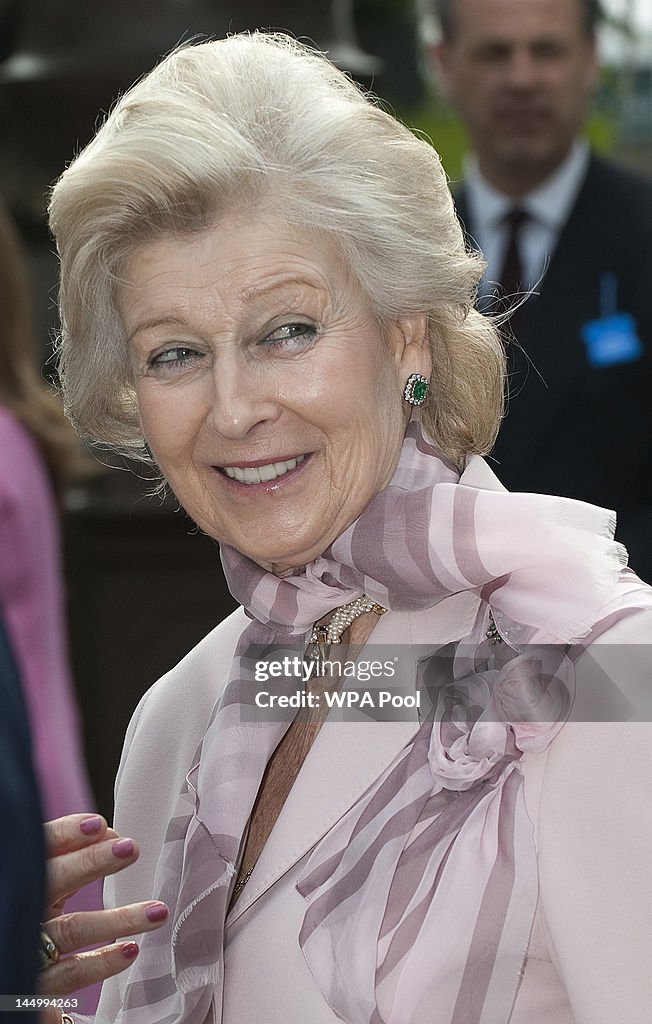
[{"x": 416, "y": 389}]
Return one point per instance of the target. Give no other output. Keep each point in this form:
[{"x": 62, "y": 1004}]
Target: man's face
[{"x": 520, "y": 73}]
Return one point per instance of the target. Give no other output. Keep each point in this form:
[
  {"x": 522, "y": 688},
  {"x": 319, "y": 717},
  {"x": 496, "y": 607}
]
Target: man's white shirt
[{"x": 548, "y": 207}]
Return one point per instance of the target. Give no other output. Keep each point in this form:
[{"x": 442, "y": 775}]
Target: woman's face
[{"x": 270, "y": 397}]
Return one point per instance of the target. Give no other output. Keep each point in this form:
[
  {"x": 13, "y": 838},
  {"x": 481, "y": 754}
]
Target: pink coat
[
  {"x": 33, "y": 609},
  {"x": 32, "y": 601}
]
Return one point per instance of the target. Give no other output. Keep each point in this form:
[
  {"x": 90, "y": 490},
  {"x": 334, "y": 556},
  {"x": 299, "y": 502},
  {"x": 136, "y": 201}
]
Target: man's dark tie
[{"x": 512, "y": 277}]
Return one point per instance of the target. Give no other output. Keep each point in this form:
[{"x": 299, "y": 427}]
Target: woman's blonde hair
[{"x": 254, "y": 120}]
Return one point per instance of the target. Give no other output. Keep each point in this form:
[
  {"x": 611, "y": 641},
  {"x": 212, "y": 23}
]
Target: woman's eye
[
  {"x": 295, "y": 335},
  {"x": 179, "y": 356}
]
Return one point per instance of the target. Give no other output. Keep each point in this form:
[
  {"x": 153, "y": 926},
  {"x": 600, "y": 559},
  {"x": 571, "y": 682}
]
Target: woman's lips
[{"x": 265, "y": 474}]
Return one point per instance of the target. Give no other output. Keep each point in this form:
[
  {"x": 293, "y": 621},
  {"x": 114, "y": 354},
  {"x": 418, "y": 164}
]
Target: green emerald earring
[{"x": 416, "y": 389}]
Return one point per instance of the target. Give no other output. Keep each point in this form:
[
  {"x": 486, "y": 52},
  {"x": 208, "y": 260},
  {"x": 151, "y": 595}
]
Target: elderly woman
[{"x": 265, "y": 288}]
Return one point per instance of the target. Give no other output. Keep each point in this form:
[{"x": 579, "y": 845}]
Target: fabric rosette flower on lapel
[
  {"x": 487, "y": 719},
  {"x": 469, "y": 742}
]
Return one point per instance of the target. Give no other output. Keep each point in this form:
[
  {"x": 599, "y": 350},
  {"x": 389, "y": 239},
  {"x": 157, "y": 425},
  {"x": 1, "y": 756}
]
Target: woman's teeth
[{"x": 262, "y": 474}]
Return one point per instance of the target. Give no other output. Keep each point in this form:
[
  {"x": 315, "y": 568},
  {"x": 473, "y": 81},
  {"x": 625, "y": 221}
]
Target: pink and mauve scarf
[{"x": 427, "y": 888}]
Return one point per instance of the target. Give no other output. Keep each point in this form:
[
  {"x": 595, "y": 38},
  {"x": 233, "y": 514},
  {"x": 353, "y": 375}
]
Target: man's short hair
[{"x": 445, "y": 10}]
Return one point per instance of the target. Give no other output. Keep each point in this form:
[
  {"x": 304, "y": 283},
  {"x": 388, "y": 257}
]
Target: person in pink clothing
[
  {"x": 38, "y": 453},
  {"x": 33, "y": 606}
]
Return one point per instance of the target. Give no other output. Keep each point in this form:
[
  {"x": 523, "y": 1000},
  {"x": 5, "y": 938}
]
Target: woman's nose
[{"x": 242, "y": 400}]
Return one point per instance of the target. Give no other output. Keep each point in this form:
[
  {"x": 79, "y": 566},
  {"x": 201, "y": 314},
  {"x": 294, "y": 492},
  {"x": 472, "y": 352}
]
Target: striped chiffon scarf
[{"x": 420, "y": 901}]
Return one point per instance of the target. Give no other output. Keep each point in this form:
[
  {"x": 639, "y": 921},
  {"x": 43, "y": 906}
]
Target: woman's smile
[{"x": 264, "y": 472}]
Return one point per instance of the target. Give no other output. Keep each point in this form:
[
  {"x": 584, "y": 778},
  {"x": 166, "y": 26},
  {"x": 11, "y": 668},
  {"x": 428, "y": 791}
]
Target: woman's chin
[
  {"x": 280, "y": 570},
  {"x": 284, "y": 566}
]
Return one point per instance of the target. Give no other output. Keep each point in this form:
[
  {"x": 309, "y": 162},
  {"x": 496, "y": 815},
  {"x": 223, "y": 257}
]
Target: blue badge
[{"x": 613, "y": 339}]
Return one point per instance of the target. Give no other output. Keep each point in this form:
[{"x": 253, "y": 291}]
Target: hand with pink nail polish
[{"x": 82, "y": 848}]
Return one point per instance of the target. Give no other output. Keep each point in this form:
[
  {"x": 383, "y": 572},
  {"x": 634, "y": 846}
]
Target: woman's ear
[{"x": 411, "y": 338}]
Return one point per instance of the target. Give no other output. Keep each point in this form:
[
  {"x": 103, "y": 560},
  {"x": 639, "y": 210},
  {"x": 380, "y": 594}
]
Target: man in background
[{"x": 576, "y": 229}]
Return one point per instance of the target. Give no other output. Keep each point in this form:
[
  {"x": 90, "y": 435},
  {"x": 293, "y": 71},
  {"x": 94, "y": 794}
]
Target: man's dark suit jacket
[
  {"x": 573, "y": 428},
  {"x": 21, "y": 844}
]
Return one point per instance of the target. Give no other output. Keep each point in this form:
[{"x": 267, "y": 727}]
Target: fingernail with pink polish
[
  {"x": 123, "y": 847},
  {"x": 89, "y": 826},
  {"x": 157, "y": 912},
  {"x": 129, "y": 950}
]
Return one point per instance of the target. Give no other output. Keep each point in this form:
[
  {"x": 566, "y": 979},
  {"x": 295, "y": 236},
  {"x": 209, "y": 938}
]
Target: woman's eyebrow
[
  {"x": 159, "y": 321},
  {"x": 256, "y": 291}
]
